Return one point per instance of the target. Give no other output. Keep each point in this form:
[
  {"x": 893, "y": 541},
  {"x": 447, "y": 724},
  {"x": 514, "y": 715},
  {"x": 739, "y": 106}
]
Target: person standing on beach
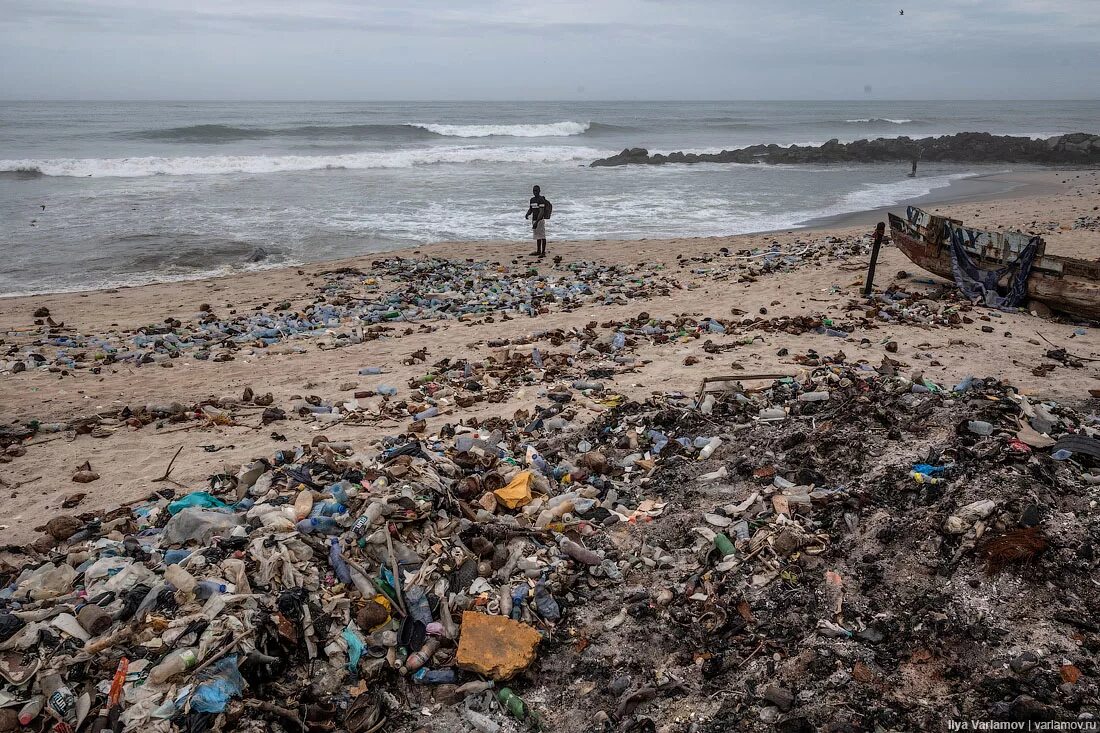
[{"x": 538, "y": 211}]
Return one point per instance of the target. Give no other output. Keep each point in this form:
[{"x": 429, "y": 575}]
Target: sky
[{"x": 549, "y": 49}]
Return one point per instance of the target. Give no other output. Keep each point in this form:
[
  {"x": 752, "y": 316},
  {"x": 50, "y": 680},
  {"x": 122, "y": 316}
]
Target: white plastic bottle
[{"x": 176, "y": 662}]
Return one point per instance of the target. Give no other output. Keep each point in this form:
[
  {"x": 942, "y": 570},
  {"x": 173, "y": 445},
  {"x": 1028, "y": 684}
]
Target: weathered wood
[
  {"x": 879, "y": 231},
  {"x": 1063, "y": 283}
]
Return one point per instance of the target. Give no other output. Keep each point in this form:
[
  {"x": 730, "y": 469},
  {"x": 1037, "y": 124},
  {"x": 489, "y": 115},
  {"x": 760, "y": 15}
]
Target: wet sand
[{"x": 128, "y": 459}]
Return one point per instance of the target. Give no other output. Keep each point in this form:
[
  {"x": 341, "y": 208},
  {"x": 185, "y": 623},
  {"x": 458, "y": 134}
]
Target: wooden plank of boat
[{"x": 1062, "y": 283}]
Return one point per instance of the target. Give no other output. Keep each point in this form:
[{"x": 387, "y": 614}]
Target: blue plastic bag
[
  {"x": 201, "y": 499},
  {"x": 221, "y": 682}
]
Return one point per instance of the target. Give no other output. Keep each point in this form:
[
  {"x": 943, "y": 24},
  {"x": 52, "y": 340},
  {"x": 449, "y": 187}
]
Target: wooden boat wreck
[{"x": 1063, "y": 284}]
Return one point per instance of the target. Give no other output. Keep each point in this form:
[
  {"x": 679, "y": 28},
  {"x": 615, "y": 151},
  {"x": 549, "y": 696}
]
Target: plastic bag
[
  {"x": 221, "y": 682},
  {"x": 201, "y": 499},
  {"x": 198, "y": 525}
]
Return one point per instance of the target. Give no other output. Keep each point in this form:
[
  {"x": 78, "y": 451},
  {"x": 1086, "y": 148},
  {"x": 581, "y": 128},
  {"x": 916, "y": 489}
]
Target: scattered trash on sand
[{"x": 848, "y": 546}]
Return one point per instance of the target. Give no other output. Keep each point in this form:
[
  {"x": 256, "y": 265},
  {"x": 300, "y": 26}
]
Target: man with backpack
[{"x": 538, "y": 211}]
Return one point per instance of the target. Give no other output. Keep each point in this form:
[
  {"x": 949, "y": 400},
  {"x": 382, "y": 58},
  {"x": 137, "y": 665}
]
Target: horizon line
[{"x": 529, "y": 100}]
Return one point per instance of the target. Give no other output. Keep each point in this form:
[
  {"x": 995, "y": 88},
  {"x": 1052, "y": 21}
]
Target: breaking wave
[
  {"x": 877, "y": 120},
  {"x": 550, "y": 129},
  {"x": 406, "y": 131},
  {"x": 220, "y": 164}
]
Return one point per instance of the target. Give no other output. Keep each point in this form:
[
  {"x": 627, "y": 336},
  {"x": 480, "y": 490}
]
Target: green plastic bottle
[
  {"x": 513, "y": 703},
  {"x": 724, "y": 545}
]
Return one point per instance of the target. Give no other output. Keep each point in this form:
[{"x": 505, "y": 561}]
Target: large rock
[
  {"x": 495, "y": 646},
  {"x": 963, "y": 147}
]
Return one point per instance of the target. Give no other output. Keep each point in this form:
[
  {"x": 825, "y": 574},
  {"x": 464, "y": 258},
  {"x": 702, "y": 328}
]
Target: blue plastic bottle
[
  {"x": 318, "y": 525},
  {"x": 434, "y": 676},
  {"x": 336, "y": 560}
]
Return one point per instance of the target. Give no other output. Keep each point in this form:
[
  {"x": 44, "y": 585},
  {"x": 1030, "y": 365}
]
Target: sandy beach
[{"x": 695, "y": 273}]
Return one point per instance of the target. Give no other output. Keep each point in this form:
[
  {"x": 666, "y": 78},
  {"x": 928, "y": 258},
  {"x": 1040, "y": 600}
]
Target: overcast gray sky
[{"x": 549, "y": 49}]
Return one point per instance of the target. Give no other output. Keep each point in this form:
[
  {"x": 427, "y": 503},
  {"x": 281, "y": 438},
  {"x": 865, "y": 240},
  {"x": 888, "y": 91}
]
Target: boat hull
[{"x": 1076, "y": 294}]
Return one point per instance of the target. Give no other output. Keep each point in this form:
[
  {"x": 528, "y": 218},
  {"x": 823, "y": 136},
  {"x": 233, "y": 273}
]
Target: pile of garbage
[
  {"x": 746, "y": 265},
  {"x": 851, "y": 546},
  {"x": 854, "y": 548},
  {"x": 320, "y": 588},
  {"x": 349, "y": 307},
  {"x": 1091, "y": 223}
]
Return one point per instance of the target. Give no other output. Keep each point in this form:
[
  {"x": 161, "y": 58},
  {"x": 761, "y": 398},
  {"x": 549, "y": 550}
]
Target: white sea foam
[
  {"x": 218, "y": 164},
  {"x": 878, "y": 119},
  {"x": 550, "y": 129}
]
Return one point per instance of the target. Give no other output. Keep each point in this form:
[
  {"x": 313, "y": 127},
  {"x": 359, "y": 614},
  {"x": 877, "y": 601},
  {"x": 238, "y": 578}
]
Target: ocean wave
[
  {"x": 230, "y": 133},
  {"x": 405, "y": 131},
  {"x": 20, "y": 173},
  {"x": 549, "y": 129},
  {"x": 877, "y": 121},
  {"x": 220, "y": 164}
]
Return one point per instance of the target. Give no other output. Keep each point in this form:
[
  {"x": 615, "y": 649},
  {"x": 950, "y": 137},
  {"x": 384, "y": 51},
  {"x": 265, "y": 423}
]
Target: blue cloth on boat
[{"x": 978, "y": 283}]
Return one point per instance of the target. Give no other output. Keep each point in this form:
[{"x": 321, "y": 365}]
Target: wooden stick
[
  {"x": 880, "y": 230},
  {"x": 1072, "y": 356},
  {"x": 168, "y": 470}
]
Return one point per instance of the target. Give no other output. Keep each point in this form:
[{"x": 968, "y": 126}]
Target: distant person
[
  {"x": 913, "y": 173},
  {"x": 538, "y": 211}
]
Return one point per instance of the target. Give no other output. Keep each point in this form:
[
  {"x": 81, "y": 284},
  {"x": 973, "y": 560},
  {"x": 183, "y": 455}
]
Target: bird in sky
[{"x": 901, "y": 12}]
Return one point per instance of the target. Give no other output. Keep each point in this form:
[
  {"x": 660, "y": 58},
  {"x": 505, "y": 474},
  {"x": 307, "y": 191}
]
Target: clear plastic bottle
[
  {"x": 60, "y": 700},
  {"x": 206, "y": 588},
  {"x": 709, "y": 448},
  {"x": 336, "y": 560},
  {"x": 369, "y": 517},
  {"x": 303, "y": 504},
  {"x": 318, "y": 525},
  {"x": 176, "y": 662},
  {"x": 180, "y": 579},
  {"x": 31, "y": 709}
]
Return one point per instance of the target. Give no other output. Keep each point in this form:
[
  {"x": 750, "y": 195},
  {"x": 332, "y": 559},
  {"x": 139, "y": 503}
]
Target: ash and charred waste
[{"x": 848, "y": 549}]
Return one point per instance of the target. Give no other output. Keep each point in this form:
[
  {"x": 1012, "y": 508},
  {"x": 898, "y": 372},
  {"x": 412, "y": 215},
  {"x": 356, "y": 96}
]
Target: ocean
[{"x": 100, "y": 194}]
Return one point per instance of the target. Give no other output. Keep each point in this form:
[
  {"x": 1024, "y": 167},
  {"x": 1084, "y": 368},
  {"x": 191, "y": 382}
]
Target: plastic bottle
[
  {"x": 180, "y": 579},
  {"x": 31, "y": 709},
  {"x": 318, "y": 525},
  {"x": 519, "y": 595},
  {"x": 419, "y": 658},
  {"x": 481, "y": 723},
  {"x": 336, "y": 560},
  {"x": 369, "y": 518},
  {"x": 339, "y": 491},
  {"x": 386, "y": 390},
  {"x": 979, "y": 427},
  {"x": 172, "y": 557},
  {"x": 724, "y": 545},
  {"x": 417, "y": 602},
  {"x": 819, "y": 396},
  {"x": 709, "y": 448},
  {"x": 964, "y": 385},
  {"x": 584, "y": 386},
  {"x": 177, "y": 662},
  {"x": 206, "y": 588},
  {"x": 303, "y": 504},
  {"x": 619, "y": 341},
  {"x": 434, "y": 676},
  {"x": 544, "y": 602},
  {"x": 370, "y": 370},
  {"x": 536, "y": 358},
  {"x": 425, "y": 414},
  {"x": 513, "y": 703},
  {"x": 327, "y": 509},
  {"x": 60, "y": 700}
]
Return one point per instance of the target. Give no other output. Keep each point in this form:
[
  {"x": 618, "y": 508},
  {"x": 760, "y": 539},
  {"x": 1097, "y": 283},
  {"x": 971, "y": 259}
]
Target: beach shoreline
[
  {"x": 667, "y": 278},
  {"x": 1026, "y": 183}
]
